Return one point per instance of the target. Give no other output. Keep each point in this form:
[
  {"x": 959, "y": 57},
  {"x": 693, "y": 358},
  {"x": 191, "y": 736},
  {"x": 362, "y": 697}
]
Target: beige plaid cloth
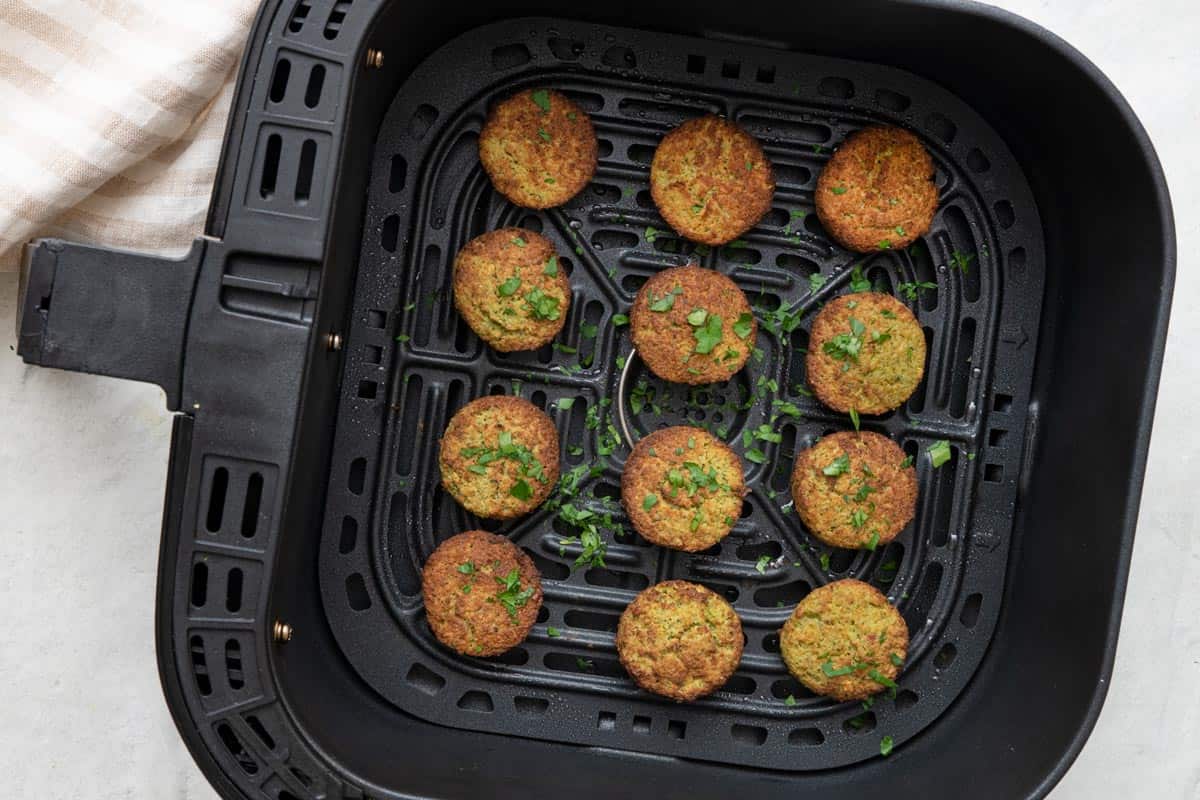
[{"x": 112, "y": 114}]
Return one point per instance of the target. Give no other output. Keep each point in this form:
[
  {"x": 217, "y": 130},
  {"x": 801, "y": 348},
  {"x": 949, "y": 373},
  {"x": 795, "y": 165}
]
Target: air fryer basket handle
[{"x": 106, "y": 312}]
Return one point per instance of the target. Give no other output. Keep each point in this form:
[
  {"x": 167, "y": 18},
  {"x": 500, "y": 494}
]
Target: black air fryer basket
[{"x": 310, "y": 346}]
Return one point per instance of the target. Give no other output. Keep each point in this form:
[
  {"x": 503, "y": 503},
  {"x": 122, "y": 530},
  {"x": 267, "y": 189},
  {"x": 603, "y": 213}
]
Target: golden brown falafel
[
  {"x": 499, "y": 457},
  {"x": 538, "y": 148},
  {"x": 692, "y": 325},
  {"x": 877, "y": 191},
  {"x": 682, "y": 488},
  {"x": 511, "y": 290},
  {"x": 845, "y": 641},
  {"x": 482, "y": 593},
  {"x": 854, "y": 489},
  {"x": 711, "y": 180},
  {"x": 866, "y": 352},
  {"x": 680, "y": 640}
]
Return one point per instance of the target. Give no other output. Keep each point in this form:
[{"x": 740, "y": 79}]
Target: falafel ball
[
  {"x": 511, "y": 289},
  {"x": 877, "y": 191},
  {"x": 499, "y": 457},
  {"x": 692, "y": 325},
  {"x": 482, "y": 593},
  {"x": 866, "y": 352},
  {"x": 845, "y": 641},
  {"x": 539, "y": 148},
  {"x": 682, "y": 488},
  {"x": 680, "y": 640},
  {"x": 711, "y": 180},
  {"x": 854, "y": 489}
]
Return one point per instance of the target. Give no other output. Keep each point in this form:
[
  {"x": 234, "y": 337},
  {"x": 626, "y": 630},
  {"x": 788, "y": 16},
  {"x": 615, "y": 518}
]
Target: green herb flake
[
  {"x": 835, "y": 672},
  {"x": 620, "y": 319},
  {"x": 885, "y": 746},
  {"x": 542, "y": 305},
  {"x": 789, "y": 701},
  {"x": 838, "y": 466},
  {"x": 961, "y": 261},
  {"x": 666, "y": 302},
  {"x": 743, "y": 325},
  {"x": 588, "y": 331},
  {"x": 649, "y": 501},
  {"x": 565, "y": 403},
  {"x": 708, "y": 335},
  {"x": 410, "y": 306},
  {"x": 404, "y": 337},
  {"x": 873, "y": 542},
  {"x": 518, "y": 241},
  {"x": 553, "y": 632},
  {"x": 697, "y": 316},
  {"x": 584, "y": 664},
  {"x": 521, "y": 490},
  {"x": 824, "y": 559},
  {"x": 839, "y": 190},
  {"x": 858, "y": 282},
  {"x": 939, "y": 452},
  {"x": 816, "y": 281},
  {"x": 651, "y": 234},
  {"x": 541, "y": 98},
  {"x": 511, "y": 595},
  {"x": 895, "y": 659},
  {"x": 911, "y": 289},
  {"x": 543, "y": 135},
  {"x": 509, "y": 287},
  {"x": 551, "y": 267},
  {"x": 467, "y": 568},
  {"x": 761, "y": 564},
  {"x": 854, "y": 420}
]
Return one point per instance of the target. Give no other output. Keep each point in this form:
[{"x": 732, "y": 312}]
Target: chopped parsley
[
  {"x": 521, "y": 490},
  {"x": 854, "y": 420},
  {"x": 551, "y": 267},
  {"x": 404, "y": 337},
  {"x": 651, "y": 234},
  {"x": 584, "y": 664},
  {"x": 743, "y": 325},
  {"x": 649, "y": 501},
  {"x": 761, "y": 564},
  {"x": 824, "y": 559},
  {"x": 832, "y": 672},
  {"x": 587, "y": 330},
  {"x": 790, "y": 700},
  {"x": 530, "y": 466},
  {"x": 873, "y": 542},
  {"x": 858, "y": 282},
  {"x": 895, "y": 659},
  {"x": 839, "y": 190},
  {"x": 816, "y": 281},
  {"x": 620, "y": 319},
  {"x": 756, "y": 455},
  {"x": 509, "y": 287},
  {"x": 542, "y": 305},
  {"x": 697, "y": 316},
  {"x": 518, "y": 241},
  {"x": 910, "y": 289},
  {"x": 541, "y": 98},
  {"x": 885, "y": 746},
  {"x": 565, "y": 403},
  {"x": 553, "y": 632},
  {"x": 512, "y": 596},
  {"x": 838, "y": 466},
  {"x": 543, "y": 135},
  {"x": 907, "y": 462},
  {"x": 467, "y": 568},
  {"x": 707, "y": 334},
  {"x": 939, "y": 452},
  {"x": 666, "y": 302},
  {"x": 846, "y": 346},
  {"x": 961, "y": 261}
]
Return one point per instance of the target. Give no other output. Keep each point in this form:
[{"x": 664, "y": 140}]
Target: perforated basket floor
[{"x": 386, "y": 512}]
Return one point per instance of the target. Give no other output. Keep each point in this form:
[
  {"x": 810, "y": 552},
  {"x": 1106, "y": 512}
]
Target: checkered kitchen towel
[{"x": 111, "y": 118}]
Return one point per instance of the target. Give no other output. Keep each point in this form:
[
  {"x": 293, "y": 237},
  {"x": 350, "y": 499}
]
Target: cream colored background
[{"x": 83, "y": 460}]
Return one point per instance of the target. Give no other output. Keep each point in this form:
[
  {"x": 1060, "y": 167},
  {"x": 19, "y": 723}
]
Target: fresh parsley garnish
[
  {"x": 509, "y": 287},
  {"x": 743, "y": 324},
  {"x": 651, "y": 234},
  {"x": 910, "y": 289},
  {"x": 854, "y": 420},
  {"x": 511, "y": 595},
  {"x": 666, "y": 302},
  {"x": 824, "y": 559},
  {"x": 553, "y": 632},
  {"x": 907, "y": 462},
  {"x": 756, "y": 455},
  {"x": 521, "y": 490},
  {"x": 761, "y": 564},
  {"x": 697, "y": 316},
  {"x": 846, "y": 346},
  {"x": 541, "y": 98},
  {"x": 467, "y": 568},
  {"x": 839, "y": 190},
  {"x": 939, "y": 452},
  {"x": 542, "y": 305},
  {"x": 708, "y": 334},
  {"x": 885, "y": 746},
  {"x": 858, "y": 282},
  {"x": 895, "y": 659},
  {"x": 620, "y": 319},
  {"x": 649, "y": 501},
  {"x": 838, "y": 466},
  {"x": 790, "y": 700},
  {"x": 816, "y": 281},
  {"x": 832, "y": 672},
  {"x": 551, "y": 267},
  {"x": 961, "y": 261},
  {"x": 518, "y": 241},
  {"x": 565, "y": 403}
]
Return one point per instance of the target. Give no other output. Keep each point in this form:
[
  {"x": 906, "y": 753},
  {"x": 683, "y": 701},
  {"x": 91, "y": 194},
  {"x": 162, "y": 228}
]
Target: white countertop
[{"x": 84, "y": 463}]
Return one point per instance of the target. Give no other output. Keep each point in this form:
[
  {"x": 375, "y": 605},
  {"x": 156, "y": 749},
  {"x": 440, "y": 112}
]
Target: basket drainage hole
[
  {"x": 765, "y": 74},
  {"x": 806, "y": 737},
  {"x": 301, "y": 776},
  {"x": 860, "y": 723},
  {"x": 970, "y": 611},
  {"x": 836, "y": 87},
  {"x": 510, "y": 55},
  {"x": 356, "y": 593},
  {"x": 695, "y": 64},
  {"x": 607, "y": 721},
  {"x": 531, "y": 705},
  {"x": 906, "y": 699},
  {"x": 641, "y": 725},
  {"x": 1002, "y": 403},
  {"x": 233, "y": 665},
  {"x": 216, "y": 499},
  {"x": 676, "y": 729},
  {"x": 731, "y": 69},
  {"x": 477, "y": 701},
  {"x": 997, "y": 437},
  {"x": 233, "y": 591},
  {"x": 423, "y": 679},
  {"x": 260, "y": 731},
  {"x": 235, "y": 748},
  {"x": 751, "y": 735},
  {"x": 199, "y": 584},
  {"x": 945, "y": 657},
  {"x": 993, "y": 473},
  {"x": 200, "y": 666}
]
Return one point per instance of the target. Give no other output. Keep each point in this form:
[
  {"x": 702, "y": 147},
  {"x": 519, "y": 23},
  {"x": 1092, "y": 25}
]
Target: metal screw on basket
[
  {"x": 333, "y": 342},
  {"x": 374, "y": 58},
  {"x": 282, "y": 632}
]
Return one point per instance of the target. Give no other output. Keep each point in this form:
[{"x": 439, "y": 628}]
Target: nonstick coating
[{"x": 411, "y": 362}]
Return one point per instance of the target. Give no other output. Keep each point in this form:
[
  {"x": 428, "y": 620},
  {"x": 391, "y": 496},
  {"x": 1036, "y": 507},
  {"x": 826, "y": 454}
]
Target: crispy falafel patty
[
  {"x": 482, "y": 593},
  {"x": 680, "y": 640},
  {"x": 538, "y": 148},
  {"x": 845, "y": 641},
  {"x": 710, "y": 180},
  {"x": 692, "y": 325},
  {"x": 682, "y": 488},
  {"x": 499, "y": 457},
  {"x": 877, "y": 191},
  {"x": 854, "y": 489},
  {"x": 511, "y": 290},
  {"x": 866, "y": 352}
]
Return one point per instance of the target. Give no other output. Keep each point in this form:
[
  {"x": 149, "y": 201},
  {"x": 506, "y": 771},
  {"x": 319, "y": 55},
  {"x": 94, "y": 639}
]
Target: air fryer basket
[{"x": 309, "y": 342}]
